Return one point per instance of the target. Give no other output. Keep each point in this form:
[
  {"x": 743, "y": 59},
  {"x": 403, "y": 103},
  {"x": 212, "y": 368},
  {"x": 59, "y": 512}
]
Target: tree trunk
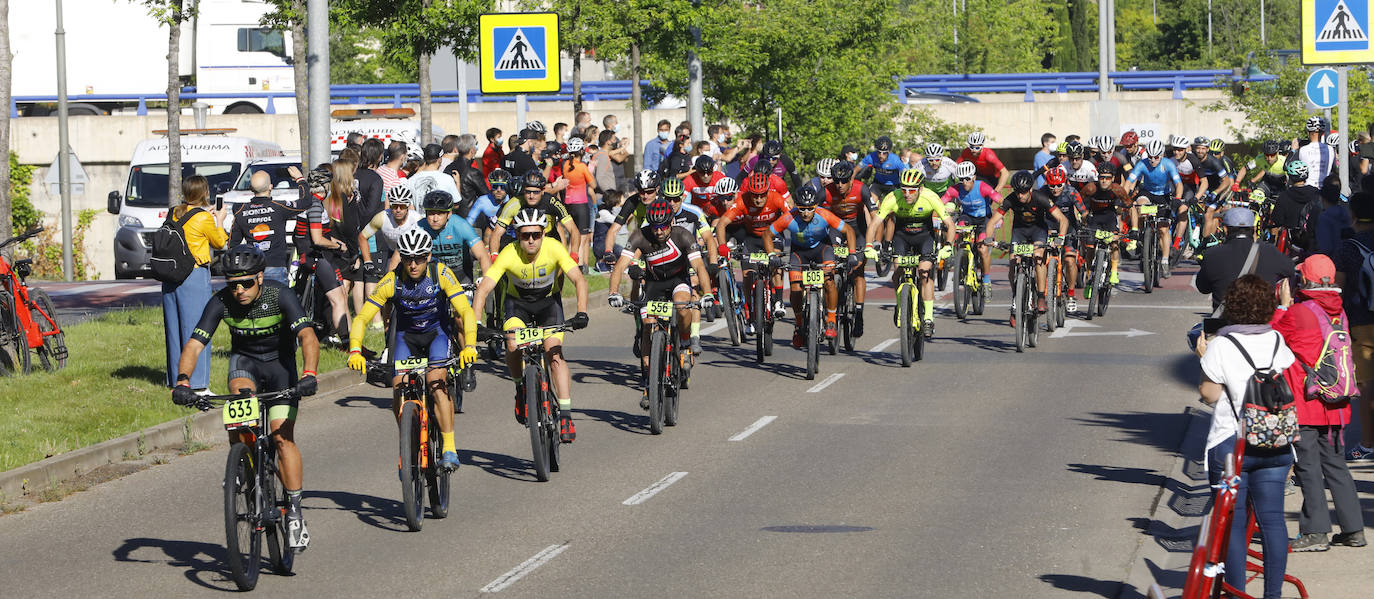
[
  {"x": 174, "y": 102},
  {"x": 300, "y": 73},
  {"x": 6, "y": 223},
  {"x": 577, "y": 83},
  {"x": 636, "y": 111}
]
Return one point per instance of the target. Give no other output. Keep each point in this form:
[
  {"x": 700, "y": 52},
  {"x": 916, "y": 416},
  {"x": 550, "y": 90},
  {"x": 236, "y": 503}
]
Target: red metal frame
[{"x": 20, "y": 291}]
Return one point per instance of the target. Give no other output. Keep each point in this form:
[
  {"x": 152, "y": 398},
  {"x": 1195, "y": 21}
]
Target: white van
[
  {"x": 143, "y": 205},
  {"x": 386, "y": 124}
]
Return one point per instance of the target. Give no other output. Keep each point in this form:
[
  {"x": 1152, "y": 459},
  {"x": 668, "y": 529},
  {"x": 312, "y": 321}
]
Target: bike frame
[{"x": 19, "y": 290}]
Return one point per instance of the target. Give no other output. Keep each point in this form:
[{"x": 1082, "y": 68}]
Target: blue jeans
[
  {"x": 277, "y": 273},
  {"x": 1261, "y": 483},
  {"x": 182, "y": 306}
]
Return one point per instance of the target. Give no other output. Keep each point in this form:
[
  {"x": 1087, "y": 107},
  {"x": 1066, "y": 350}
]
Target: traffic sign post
[
  {"x": 1336, "y": 32},
  {"x": 519, "y": 53},
  {"x": 1322, "y": 87}
]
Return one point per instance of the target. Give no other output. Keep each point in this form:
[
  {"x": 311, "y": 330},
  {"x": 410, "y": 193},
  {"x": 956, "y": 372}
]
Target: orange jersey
[{"x": 757, "y": 220}]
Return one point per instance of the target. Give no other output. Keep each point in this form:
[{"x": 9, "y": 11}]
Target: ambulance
[{"x": 386, "y": 124}]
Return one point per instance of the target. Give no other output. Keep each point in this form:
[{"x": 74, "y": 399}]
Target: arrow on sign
[
  {"x": 1069, "y": 325},
  {"x": 1326, "y": 85}
]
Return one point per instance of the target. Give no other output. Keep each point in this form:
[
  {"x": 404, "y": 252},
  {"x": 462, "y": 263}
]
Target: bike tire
[
  {"x": 727, "y": 305},
  {"x": 658, "y": 342},
  {"x": 1160, "y": 266},
  {"x": 847, "y": 319},
  {"x": 918, "y": 344},
  {"x": 1032, "y": 315},
  {"x": 1052, "y": 298},
  {"x": 52, "y": 354},
  {"x": 1104, "y": 288},
  {"x": 243, "y": 539},
  {"x": 1019, "y": 310},
  {"x": 980, "y": 298},
  {"x": 20, "y": 361},
  {"x": 412, "y": 478},
  {"x": 679, "y": 374},
  {"x": 813, "y": 334},
  {"x": 882, "y": 267},
  {"x": 283, "y": 558},
  {"x": 1147, "y": 263},
  {"x": 905, "y": 332},
  {"x": 761, "y": 308},
  {"x": 961, "y": 288},
  {"x": 436, "y": 478},
  {"x": 1090, "y": 290},
  {"x": 535, "y": 422}
]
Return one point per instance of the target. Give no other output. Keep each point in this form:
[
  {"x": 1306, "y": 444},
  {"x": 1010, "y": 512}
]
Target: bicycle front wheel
[
  {"x": 961, "y": 288},
  {"x": 412, "y": 478},
  {"x": 727, "y": 304},
  {"x": 905, "y": 332},
  {"x": 658, "y": 342},
  {"x": 761, "y": 309},
  {"x": 1147, "y": 259},
  {"x": 846, "y": 317},
  {"x": 243, "y": 537},
  {"x": 1018, "y": 310},
  {"x": 1052, "y": 298},
  {"x": 534, "y": 411},
  {"x": 813, "y": 333}
]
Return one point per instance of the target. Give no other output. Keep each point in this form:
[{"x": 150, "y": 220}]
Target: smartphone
[{"x": 1210, "y": 325}]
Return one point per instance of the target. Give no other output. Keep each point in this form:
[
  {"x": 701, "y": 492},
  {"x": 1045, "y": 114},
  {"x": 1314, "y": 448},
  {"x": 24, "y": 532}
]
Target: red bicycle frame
[{"x": 25, "y": 307}]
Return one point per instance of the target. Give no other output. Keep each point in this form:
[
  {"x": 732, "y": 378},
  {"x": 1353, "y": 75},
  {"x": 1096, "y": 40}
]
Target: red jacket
[
  {"x": 491, "y": 159},
  {"x": 1303, "y": 334}
]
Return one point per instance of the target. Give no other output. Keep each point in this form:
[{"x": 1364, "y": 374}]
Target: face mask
[
  {"x": 665, "y": 135},
  {"x": 614, "y": 128},
  {"x": 499, "y": 142},
  {"x": 720, "y": 138},
  {"x": 852, "y": 157}
]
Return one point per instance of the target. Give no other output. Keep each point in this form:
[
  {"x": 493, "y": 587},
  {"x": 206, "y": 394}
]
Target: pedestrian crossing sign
[
  {"x": 1336, "y": 32},
  {"x": 518, "y": 53}
]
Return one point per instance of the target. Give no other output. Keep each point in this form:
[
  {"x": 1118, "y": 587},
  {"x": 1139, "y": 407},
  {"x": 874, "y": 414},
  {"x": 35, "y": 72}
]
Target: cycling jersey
[
  {"x": 702, "y": 190},
  {"x": 976, "y": 202},
  {"x": 986, "y": 162},
  {"x": 939, "y": 179},
  {"x": 666, "y": 260},
  {"x": 885, "y": 172},
  {"x": 1033, "y": 213},
  {"x": 1085, "y": 173},
  {"x": 1271, "y": 169},
  {"x": 391, "y": 230},
  {"x": 1069, "y": 202},
  {"x": 848, "y": 205},
  {"x": 911, "y": 216},
  {"x": 755, "y": 220},
  {"x": 1214, "y": 169},
  {"x": 693, "y": 220},
  {"x": 1320, "y": 159},
  {"x": 483, "y": 212},
  {"x": 1126, "y": 160},
  {"x": 418, "y": 303},
  {"x": 1185, "y": 168},
  {"x": 1156, "y": 180},
  {"x": 256, "y": 330},
  {"x": 1104, "y": 199},
  {"x": 532, "y": 279},
  {"x": 452, "y": 243},
  {"x": 809, "y": 234},
  {"x": 553, "y": 209}
]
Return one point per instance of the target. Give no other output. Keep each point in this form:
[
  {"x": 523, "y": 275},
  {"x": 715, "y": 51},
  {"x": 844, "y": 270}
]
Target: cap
[
  {"x": 849, "y": 149},
  {"x": 1238, "y": 217},
  {"x": 1319, "y": 269}
]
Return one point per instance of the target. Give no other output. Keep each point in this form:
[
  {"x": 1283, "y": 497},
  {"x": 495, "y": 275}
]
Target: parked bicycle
[{"x": 28, "y": 319}]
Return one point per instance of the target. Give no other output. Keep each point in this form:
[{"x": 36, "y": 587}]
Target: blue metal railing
[{"x": 409, "y": 93}]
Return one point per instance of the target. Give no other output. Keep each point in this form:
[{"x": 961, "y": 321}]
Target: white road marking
[
  {"x": 882, "y": 346},
  {"x": 830, "y": 380},
  {"x": 753, "y": 428},
  {"x": 528, "y": 566},
  {"x": 653, "y": 489},
  {"x": 713, "y": 328}
]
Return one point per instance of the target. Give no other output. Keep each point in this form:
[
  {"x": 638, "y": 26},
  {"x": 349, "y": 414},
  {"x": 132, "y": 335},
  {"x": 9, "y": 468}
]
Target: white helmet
[
  {"x": 977, "y": 139},
  {"x": 1154, "y": 148},
  {"x": 935, "y": 150},
  {"x": 576, "y": 144},
  {"x": 1333, "y": 139},
  {"x": 400, "y": 194},
  {"x": 415, "y": 242},
  {"x": 1106, "y": 143},
  {"x": 1314, "y": 123},
  {"x": 727, "y": 187},
  {"x": 823, "y": 167},
  {"x": 1178, "y": 141},
  {"x": 536, "y": 126},
  {"x": 529, "y": 217},
  {"x": 964, "y": 170}
]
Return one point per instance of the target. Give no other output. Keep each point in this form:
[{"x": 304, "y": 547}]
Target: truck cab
[{"x": 143, "y": 205}]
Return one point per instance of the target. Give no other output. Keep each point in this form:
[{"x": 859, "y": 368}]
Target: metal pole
[
  {"x": 1342, "y": 107},
  {"x": 317, "y": 57},
  {"x": 1102, "y": 57},
  {"x": 779, "y": 123},
  {"x": 954, "y": 6},
  {"x": 64, "y": 174},
  {"x": 521, "y": 105},
  {"x": 1209, "y": 28},
  {"x": 694, "y": 99},
  {"x": 1263, "y": 40},
  {"x": 462, "y": 93},
  {"x": 1111, "y": 35}
]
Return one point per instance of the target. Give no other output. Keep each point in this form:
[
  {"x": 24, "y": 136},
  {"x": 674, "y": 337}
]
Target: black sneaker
[
  {"x": 1312, "y": 541},
  {"x": 1349, "y": 539}
]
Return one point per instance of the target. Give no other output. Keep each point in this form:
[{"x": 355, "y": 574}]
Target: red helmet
[
  {"x": 659, "y": 213},
  {"x": 1129, "y": 138},
  {"x": 756, "y": 183},
  {"x": 1056, "y": 176}
]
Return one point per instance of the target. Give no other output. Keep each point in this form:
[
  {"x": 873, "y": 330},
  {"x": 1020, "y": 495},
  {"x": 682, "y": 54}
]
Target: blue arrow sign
[{"x": 1322, "y": 88}]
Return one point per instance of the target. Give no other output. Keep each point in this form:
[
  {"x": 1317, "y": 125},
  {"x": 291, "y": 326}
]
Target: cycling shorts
[
  {"x": 328, "y": 275},
  {"x": 1105, "y": 220},
  {"x": 749, "y": 243},
  {"x": 1164, "y": 200},
  {"x": 979, "y": 222},
  {"x": 822, "y": 253},
  {"x": 1029, "y": 234},
  {"x": 919, "y": 244},
  {"x": 582, "y": 216},
  {"x": 663, "y": 290},
  {"x": 268, "y": 376},
  {"x": 539, "y": 313},
  {"x": 433, "y": 344}
]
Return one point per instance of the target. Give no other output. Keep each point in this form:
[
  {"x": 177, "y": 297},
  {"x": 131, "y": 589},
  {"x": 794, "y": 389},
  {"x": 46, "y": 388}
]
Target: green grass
[
  {"x": 112, "y": 386},
  {"x": 596, "y": 281}
]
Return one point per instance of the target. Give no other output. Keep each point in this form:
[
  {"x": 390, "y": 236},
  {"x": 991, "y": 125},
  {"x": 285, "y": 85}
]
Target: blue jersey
[
  {"x": 974, "y": 202},
  {"x": 809, "y": 235},
  {"x": 486, "y": 207},
  {"x": 888, "y": 172},
  {"x": 1158, "y": 180},
  {"x": 451, "y": 244}
]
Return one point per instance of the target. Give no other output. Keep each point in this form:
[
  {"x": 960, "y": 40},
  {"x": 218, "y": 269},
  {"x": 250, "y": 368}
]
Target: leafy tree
[
  {"x": 1013, "y": 36},
  {"x": 359, "y": 56},
  {"x": 172, "y": 13},
  {"x": 290, "y": 14},
  {"x": 1276, "y": 109}
]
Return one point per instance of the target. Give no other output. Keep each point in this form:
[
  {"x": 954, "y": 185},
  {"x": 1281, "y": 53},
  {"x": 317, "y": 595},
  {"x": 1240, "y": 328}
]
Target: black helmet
[
  {"x": 1022, "y": 181},
  {"x": 1074, "y": 150},
  {"x": 438, "y": 199},
  {"x": 704, "y": 164},
  {"x": 659, "y": 213},
  {"x": 808, "y": 197},
  {"x": 498, "y": 178},
  {"x": 882, "y": 144},
  {"x": 243, "y": 259},
  {"x": 534, "y": 178},
  {"x": 771, "y": 148},
  {"x": 842, "y": 171},
  {"x": 1271, "y": 147},
  {"x": 646, "y": 180}
]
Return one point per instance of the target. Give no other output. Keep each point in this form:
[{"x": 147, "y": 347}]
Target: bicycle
[
  {"x": 845, "y": 306},
  {"x": 28, "y": 319},
  {"x": 420, "y": 441},
  {"x": 1151, "y": 255},
  {"x": 665, "y": 377},
  {"x": 731, "y": 301},
  {"x": 911, "y": 330},
  {"x": 813, "y": 323},
  {"x": 1023, "y": 308},
  {"x": 541, "y": 408},
  {"x": 254, "y": 503},
  {"x": 760, "y": 286},
  {"x": 970, "y": 296},
  {"x": 1055, "y": 294},
  {"x": 1097, "y": 289}
]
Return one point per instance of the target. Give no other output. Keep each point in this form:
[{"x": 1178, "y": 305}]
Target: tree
[
  {"x": 1276, "y": 109},
  {"x": 173, "y": 13},
  {"x": 290, "y": 14},
  {"x": 6, "y": 229},
  {"x": 572, "y": 35}
]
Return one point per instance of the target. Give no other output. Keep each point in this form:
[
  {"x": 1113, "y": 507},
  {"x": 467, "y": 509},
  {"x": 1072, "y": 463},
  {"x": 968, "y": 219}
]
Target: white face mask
[
  {"x": 615, "y": 127},
  {"x": 665, "y": 135},
  {"x": 852, "y": 157},
  {"x": 499, "y": 142},
  {"x": 720, "y": 138}
]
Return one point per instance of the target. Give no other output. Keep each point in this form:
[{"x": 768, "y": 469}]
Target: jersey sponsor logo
[
  {"x": 664, "y": 256},
  {"x": 260, "y": 232}
]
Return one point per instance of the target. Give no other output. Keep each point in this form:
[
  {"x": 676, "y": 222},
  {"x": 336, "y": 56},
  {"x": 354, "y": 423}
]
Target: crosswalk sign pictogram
[
  {"x": 1336, "y": 32},
  {"x": 519, "y": 53}
]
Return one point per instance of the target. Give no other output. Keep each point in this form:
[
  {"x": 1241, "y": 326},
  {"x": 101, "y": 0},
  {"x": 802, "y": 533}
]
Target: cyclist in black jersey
[
  {"x": 561, "y": 225},
  {"x": 265, "y": 322}
]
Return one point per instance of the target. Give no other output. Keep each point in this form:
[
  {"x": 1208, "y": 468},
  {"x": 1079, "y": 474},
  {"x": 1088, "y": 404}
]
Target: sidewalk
[{"x": 1173, "y": 528}]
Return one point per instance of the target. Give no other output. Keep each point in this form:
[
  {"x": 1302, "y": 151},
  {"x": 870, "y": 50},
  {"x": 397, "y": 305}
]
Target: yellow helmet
[
  {"x": 671, "y": 188},
  {"x": 912, "y": 178}
]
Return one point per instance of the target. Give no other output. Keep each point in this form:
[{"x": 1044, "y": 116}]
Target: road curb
[
  {"x": 1165, "y": 547},
  {"x": 201, "y": 426}
]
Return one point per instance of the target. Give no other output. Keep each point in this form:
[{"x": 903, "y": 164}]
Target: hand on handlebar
[
  {"x": 871, "y": 252},
  {"x": 356, "y": 361},
  {"x": 615, "y": 300}
]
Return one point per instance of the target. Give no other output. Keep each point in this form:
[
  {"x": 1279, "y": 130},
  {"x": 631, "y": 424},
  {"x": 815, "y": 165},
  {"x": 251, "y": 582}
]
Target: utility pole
[
  {"x": 1111, "y": 35},
  {"x": 1209, "y": 28},
  {"x": 954, "y": 6},
  {"x": 1102, "y": 54},
  {"x": 694, "y": 99},
  {"x": 64, "y": 174},
  {"x": 317, "y": 46},
  {"x": 1263, "y": 40}
]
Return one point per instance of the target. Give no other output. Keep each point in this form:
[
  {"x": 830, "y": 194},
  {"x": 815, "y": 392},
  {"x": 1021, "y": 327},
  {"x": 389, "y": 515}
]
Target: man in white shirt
[{"x": 1320, "y": 158}]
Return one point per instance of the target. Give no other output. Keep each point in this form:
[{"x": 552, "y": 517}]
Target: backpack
[
  {"x": 1269, "y": 416},
  {"x": 1332, "y": 378},
  {"x": 1305, "y": 236},
  {"x": 171, "y": 258},
  {"x": 1363, "y": 285}
]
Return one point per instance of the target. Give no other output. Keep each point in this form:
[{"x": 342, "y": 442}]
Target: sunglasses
[
  {"x": 975, "y": 148},
  {"x": 965, "y": 178},
  {"x": 649, "y": 192},
  {"x": 806, "y": 208},
  {"x": 530, "y": 191},
  {"x": 840, "y": 181},
  {"x": 421, "y": 258},
  {"x": 531, "y": 236},
  {"x": 242, "y": 283}
]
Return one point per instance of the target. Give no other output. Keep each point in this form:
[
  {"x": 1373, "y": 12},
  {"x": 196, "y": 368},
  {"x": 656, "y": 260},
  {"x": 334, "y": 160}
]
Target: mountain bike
[
  {"x": 1151, "y": 255},
  {"x": 421, "y": 442},
  {"x": 670, "y": 365},
  {"x": 1023, "y": 308},
  {"x": 1055, "y": 294},
  {"x": 732, "y": 304},
  {"x": 28, "y": 319},
  {"x": 845, "y": 307},
  {"x": 759, "y": 283},
  {"x": 541, "y": 407},
  {"x": 1098, "y": 244},
  {"x": 813, "y": 309},
  {"x": 970, "y": 296},
  {"x": 255, "y": 504},
  {"x": 911, "y": 333}
]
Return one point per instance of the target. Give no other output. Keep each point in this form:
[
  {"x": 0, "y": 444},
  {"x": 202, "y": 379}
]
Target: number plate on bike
[
  {"x": 240, "y": 411},
  {"x": 1149, "y": 209},
  {"x": 813, "y": 278},
  {"x": 1105, "y": 235},
  {"x": 758, "y": 257},
  {"x": 528, "y": 336},
  {"x": 411, "y": 364},
  {"x": 841, "y": 252},
  {"x": 906, "y": 260},
  {"x": 1023, "y": 249},
  {"x": 659, "y": 309}
]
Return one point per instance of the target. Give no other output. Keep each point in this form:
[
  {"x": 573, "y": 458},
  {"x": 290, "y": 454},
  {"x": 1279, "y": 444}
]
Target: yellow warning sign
[{"x": 518, "y": 53}]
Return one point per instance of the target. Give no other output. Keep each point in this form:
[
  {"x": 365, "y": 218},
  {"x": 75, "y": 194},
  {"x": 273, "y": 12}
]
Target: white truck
[{"x": 114, "y": 49}]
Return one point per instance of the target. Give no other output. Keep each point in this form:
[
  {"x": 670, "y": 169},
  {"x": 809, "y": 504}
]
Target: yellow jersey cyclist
[
  {"x": 914, "y": 210},
  {"x": 265, "y": 322},
  {"x": 529, "y": 269},
  {"x": 417, "y": 292}
]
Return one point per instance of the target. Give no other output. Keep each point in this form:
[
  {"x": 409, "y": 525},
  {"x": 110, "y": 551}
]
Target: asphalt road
[{"x": 977, "y": 472}]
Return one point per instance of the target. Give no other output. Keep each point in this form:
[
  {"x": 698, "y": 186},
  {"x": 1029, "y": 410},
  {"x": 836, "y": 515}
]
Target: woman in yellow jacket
[{"x": 183, "y": 303}]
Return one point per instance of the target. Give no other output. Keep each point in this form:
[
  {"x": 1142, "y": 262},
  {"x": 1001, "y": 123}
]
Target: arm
[
  {"x": 310, "y": 349},
  {"x": 703, "y": 282},
  {"x": 626, "y": 258},
  {"x": 993, "y": 222},
  {"x": 479, "y": 297},
  {"x": 575, "y": 275},
  {"x": 459, "y": 301},
  {"x": 1059, "y": 217},
  {"x": 1003, "y": 177},
  {"x": 381, "y": 294}
]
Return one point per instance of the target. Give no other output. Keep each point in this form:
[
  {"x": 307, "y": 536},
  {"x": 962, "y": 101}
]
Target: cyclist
[
  {"x": 1105, "y": 200},
  {"x": 1128, "y": 155},
  {"x": 812, "y": 231},
  {"x": 939, "y": 171},
  {"x": 915, "y": 212},
  {"x": 529, "y": 270},
  {"x": 1031, "y": 211},
  {"x": 1214, "y": 184},
  {"x": 1265, "y": 169},
  {"x": 990, "y": 168},
  {"x": 701, "y": 182},
  {"x": 1070, "y": 203},
  {"x": 1320, "y": 158},
  {"x": 1298, "y": 198},
  {"x": 720, "y": 200},
  {"x": 560, "y": 224},
  {"x": 885, "y": 166},
  {"x": 1080, "y": 170},
  {"x": 1160, "y": 185},
  {"x": 456, "y": 244},
  {"x": 646, "y": 191},
  {"x": 265, "y": 322},
  {"x": 320, "y": 245},
  {"x": 482, "y": 215},
  {"x": 669, "y": 253},
  {"x": 391, "y": 223},
  {"x": 852, "y": 201},
  {"x": 756, "y": 211},
  {"x": 971, "y": 201},
  {"x": 416, "y": 293},
  {"x": 770, "y": 161},
  {"x": 693, "y": 220},
  {"x": 824, "y": 173}
]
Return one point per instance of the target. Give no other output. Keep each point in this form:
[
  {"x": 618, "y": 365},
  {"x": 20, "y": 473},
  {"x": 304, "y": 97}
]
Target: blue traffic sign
[{"x": 1322, "y": 88}]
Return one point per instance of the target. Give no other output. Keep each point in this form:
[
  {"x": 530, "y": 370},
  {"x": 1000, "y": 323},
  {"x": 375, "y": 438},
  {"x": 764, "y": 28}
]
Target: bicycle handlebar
[
  {"x": 210, "y": 402},
  {"x": 20, "y": 238}
]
